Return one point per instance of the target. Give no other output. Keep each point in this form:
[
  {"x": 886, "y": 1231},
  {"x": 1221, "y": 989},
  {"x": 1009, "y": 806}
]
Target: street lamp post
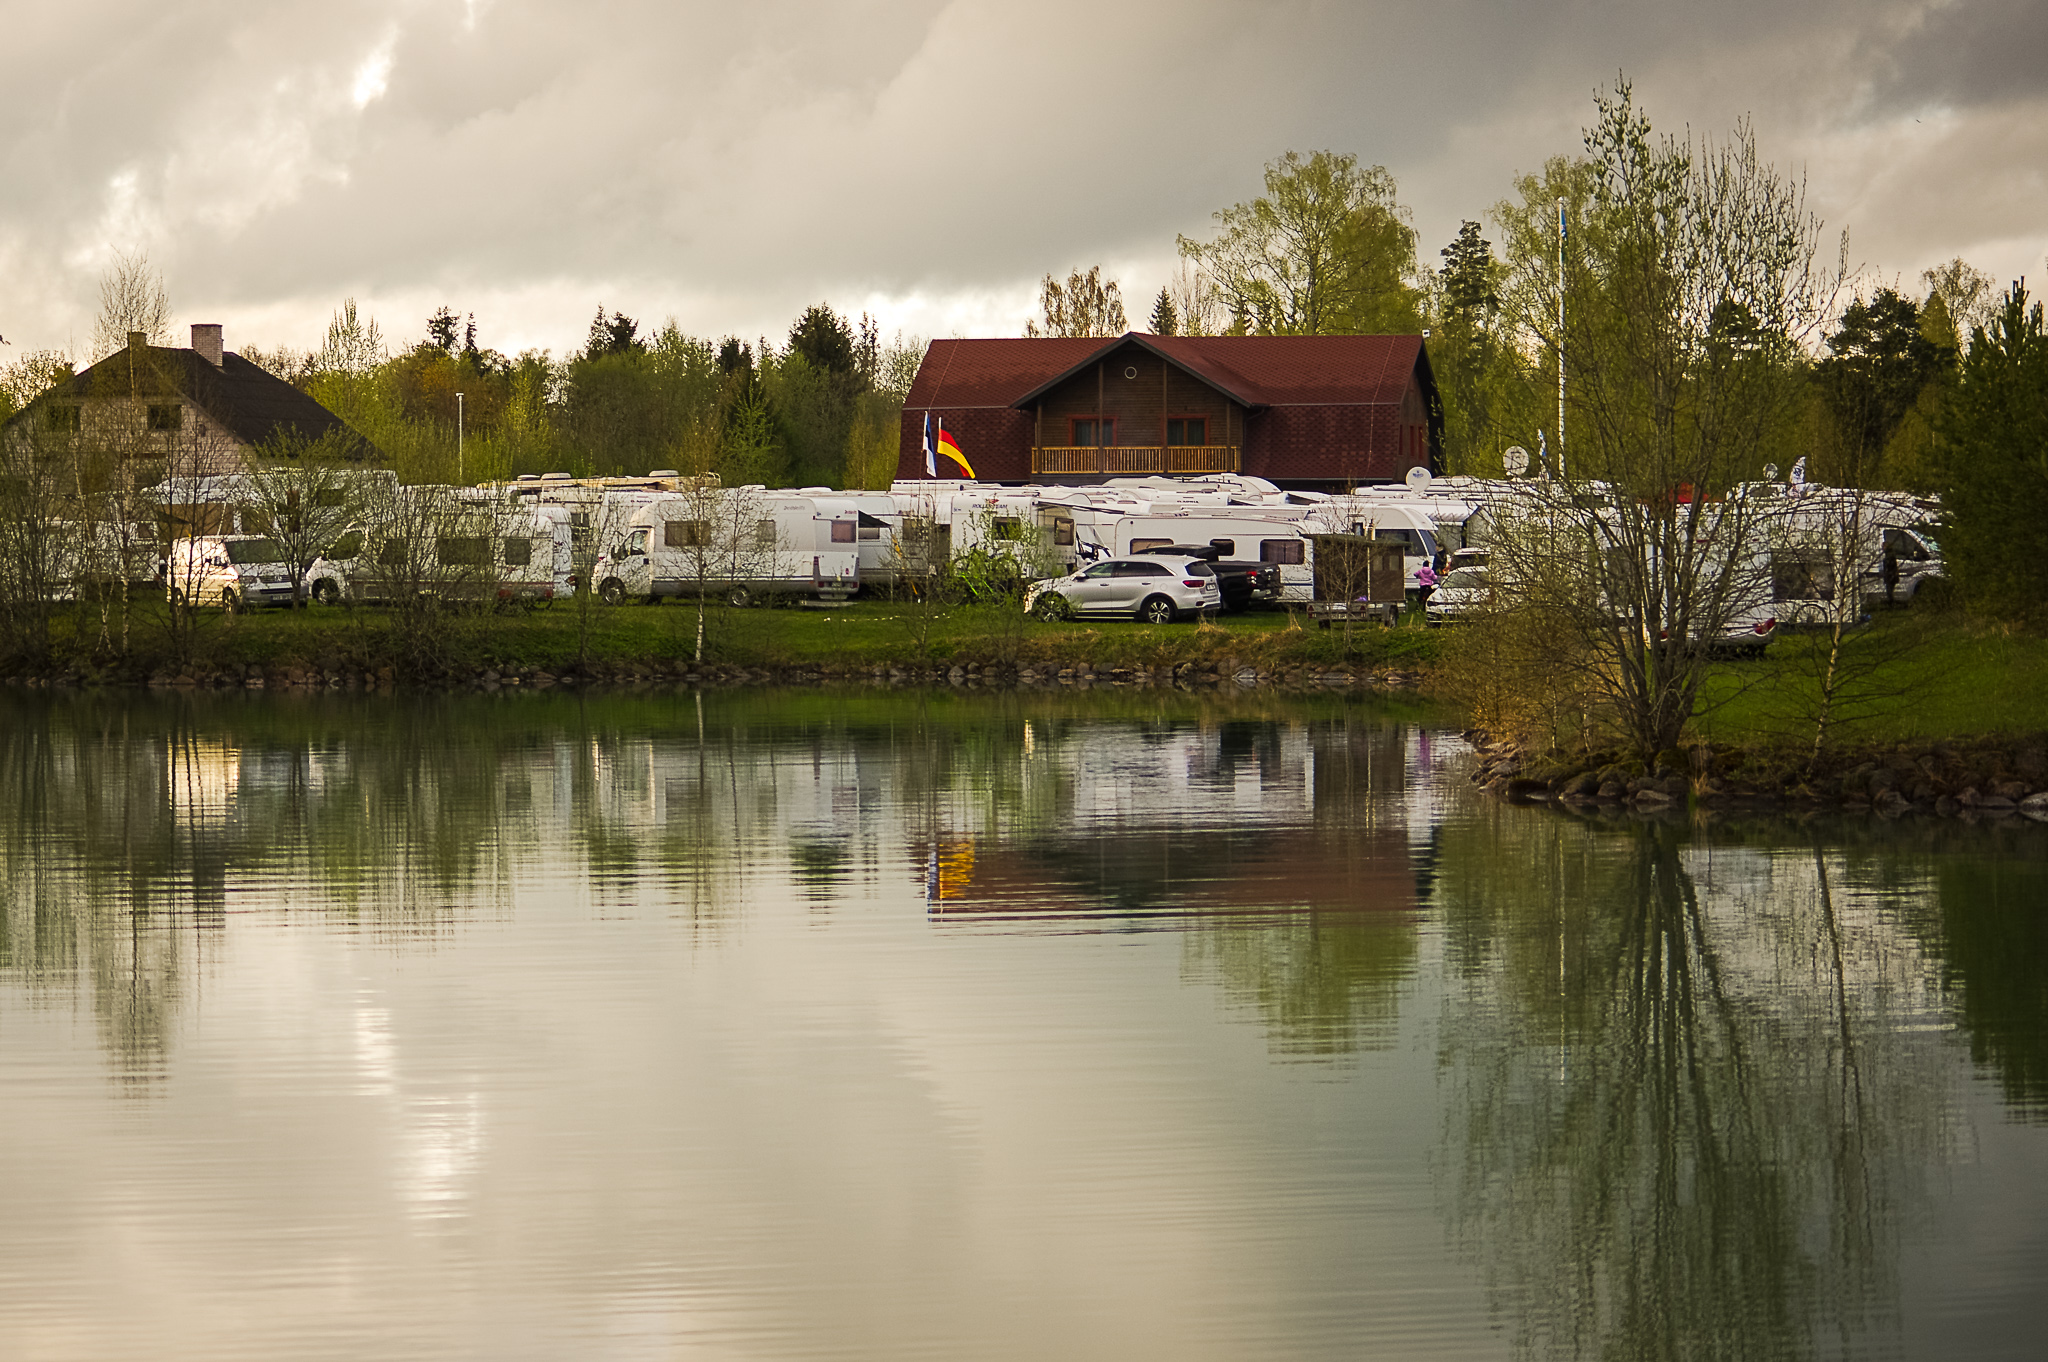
[{"x": 458, "y": 437}]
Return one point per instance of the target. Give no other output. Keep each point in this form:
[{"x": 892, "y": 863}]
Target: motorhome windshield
[{"x": 250, "y": 552}]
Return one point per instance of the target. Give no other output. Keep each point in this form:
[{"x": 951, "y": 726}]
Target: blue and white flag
[
  {"x": 931, "y": 460},
  {"x": 1799, "y": 475}
]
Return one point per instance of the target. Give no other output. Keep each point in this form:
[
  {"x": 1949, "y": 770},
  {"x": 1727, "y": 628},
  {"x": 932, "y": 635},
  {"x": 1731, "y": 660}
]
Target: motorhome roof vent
[
  {"x": 529, "y": 477},
  {"x": 554, "y": 477},
  {"x": 662, "y": 473},
  {"x": 813, "y": 491}
]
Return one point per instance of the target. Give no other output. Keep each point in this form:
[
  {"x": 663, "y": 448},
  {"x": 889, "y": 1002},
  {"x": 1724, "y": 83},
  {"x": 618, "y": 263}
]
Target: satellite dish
[
  {"x": 1516, "y": 460},
  {"x": 1419, "y": 479},
  {"x": 1770, "y": 472}
]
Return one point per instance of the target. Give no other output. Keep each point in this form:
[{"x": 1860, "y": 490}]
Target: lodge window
[
  {"x": 1187, "y": 430},
  {"x": 1093, "y": 432},
  {"x": 1284, "y": 551},
  {"x": 685, "y": 534},
  {"x": 169, "y": 416},
  {"x": 61, "y": 418}
]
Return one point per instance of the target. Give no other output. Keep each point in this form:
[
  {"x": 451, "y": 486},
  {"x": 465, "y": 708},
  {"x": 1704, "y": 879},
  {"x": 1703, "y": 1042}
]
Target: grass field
[{"x": 1911, "y": 677}]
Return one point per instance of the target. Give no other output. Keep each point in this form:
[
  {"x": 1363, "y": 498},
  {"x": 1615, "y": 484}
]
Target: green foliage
[
  {"x": 1880, "y": 360},
  {"x": 1327, "y": 250},
  {"x": 1994, "y": 464}
]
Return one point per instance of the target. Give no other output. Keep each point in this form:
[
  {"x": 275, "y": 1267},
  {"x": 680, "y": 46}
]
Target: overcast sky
[{"x": 921, "y": 160}]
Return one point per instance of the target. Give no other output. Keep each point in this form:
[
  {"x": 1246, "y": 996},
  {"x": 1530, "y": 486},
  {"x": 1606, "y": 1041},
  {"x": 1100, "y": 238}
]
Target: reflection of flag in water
[
  {"x": 949, "y": 871},
  {"x": 951, "y": 449}
]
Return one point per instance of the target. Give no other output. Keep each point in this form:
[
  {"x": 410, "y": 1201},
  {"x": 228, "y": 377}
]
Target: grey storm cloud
[{"x": 926, "y": 161}]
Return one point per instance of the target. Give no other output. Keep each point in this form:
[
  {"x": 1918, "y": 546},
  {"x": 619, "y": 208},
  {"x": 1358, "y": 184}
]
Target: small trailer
[{"x": 1357, "y": 578}]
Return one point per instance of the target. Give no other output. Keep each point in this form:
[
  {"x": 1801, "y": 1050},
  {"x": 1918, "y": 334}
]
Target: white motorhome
[
  {"x": 741, "y": 543},
  {"x": 1830, "y": 547},
  {"x": 438, "y": 541}
]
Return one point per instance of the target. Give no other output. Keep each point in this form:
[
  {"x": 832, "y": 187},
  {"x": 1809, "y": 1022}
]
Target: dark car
[{"x": 1240, "y": 582}]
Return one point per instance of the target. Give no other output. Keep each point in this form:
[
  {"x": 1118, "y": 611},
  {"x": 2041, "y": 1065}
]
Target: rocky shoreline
[
  {"x": 654, "y": 673},
  {"x": 1972, "y": 779}
]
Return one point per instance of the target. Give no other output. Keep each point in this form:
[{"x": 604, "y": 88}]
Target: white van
[{"x": 234, "y": 571}]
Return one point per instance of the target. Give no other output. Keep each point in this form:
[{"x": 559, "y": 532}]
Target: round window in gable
[{"x": 1131, "y": 371}]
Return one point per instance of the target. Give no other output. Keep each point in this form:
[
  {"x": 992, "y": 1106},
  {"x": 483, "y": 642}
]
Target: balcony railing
[{"x": 1117, "y": 459}]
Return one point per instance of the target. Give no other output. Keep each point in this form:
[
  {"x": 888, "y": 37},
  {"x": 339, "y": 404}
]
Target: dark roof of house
[
  {"x": 1256, "y": 371},
  {"x": 248, "y": 401}
]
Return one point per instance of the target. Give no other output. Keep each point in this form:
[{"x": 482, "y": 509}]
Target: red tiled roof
[
  {"x": 1258, "y": 371},
  {"x": 993, "y": 373}
]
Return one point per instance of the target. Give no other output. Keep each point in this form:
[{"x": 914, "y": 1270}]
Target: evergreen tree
[
  {"x": 441, "y": 328},
  {"x": 1994, "y": 455},
  {"x": 1165, "y": 322},
  {"x": 825, "y": 340},
  {"x": 1879, "y": 361}
]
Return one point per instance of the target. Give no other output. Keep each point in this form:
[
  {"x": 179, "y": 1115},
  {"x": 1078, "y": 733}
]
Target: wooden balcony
[{"x": 1119, "y": 460}]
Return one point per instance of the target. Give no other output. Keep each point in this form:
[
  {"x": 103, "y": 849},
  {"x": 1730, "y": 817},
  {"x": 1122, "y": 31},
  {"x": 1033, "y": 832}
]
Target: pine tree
[{"x": 1165, "y": 322}]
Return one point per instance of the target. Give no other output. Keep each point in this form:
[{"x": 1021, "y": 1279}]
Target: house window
[
  {"x": 1283, "y": 551},
  {"x": 61, "y": 418},
  {"x": 1093, "y": 432},
  {"x": 685, "y": 534},
  {"x": 1187, "y": 430},
  {"x": 842, "y": 531},
  {"x": 168, "y": 416}
]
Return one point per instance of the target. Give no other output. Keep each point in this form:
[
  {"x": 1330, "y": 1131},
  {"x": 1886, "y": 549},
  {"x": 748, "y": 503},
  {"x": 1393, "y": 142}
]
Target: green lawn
[{"x": 1913, "y": 676}]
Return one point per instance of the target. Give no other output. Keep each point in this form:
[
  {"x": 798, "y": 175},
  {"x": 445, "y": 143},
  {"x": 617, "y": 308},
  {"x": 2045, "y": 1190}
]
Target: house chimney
[
  {"x": 137, "y": 339},
  {"x": 206, "y": 340}
]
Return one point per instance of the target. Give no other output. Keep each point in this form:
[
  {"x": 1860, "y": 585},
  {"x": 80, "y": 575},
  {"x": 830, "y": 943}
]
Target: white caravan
[
  {"x": 446, "y": 542},
  {"x": 740, "y": 543},
  {"x": 1281, "y": 541}
]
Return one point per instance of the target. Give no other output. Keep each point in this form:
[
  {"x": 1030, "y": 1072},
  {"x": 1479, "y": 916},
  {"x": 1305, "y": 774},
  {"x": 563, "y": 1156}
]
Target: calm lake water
[{"x": 836, "y": 1025}]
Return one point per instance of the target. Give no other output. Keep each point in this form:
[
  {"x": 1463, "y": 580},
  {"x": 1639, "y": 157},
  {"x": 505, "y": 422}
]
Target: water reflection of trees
[
  {"x": 133, "y": 828},
  {"x": 1687, "y": 1097}
]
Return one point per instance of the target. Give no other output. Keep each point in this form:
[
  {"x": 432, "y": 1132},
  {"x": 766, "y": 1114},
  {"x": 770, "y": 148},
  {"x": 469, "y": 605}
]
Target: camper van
[
  {"x": 740, "y": 543},
  {"x": 474, "y": 552}
]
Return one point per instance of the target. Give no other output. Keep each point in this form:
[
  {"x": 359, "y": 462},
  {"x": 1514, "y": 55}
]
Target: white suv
[{"x": 1154, "y": 588}]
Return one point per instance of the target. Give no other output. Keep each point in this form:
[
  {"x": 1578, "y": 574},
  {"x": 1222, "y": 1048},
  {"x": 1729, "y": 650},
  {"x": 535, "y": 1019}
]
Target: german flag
[{"x": 951, "y": 449}]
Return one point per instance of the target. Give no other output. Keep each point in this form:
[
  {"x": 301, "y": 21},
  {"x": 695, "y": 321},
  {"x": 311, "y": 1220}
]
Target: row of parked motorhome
[{"x": 644, "y": 539}]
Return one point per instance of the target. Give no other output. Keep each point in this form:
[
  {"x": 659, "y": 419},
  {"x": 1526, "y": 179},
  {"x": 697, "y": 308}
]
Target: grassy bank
[
  {"x": 1909, "y": 678},
  {"x": 574, "y": 636}
]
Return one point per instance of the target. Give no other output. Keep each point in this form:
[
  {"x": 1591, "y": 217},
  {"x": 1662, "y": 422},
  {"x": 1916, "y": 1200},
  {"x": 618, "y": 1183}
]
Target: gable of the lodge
[{"x": 1306, "y": 411}]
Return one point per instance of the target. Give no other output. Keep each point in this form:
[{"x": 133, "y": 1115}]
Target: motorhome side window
[
  {"x": 1281, "y": 551},
  {"x": 1006, "y": 527},
  {"x": 764, "y": 534},
  {"x": 1409, "y": 540},
  {"x": 518, "y": 552},
  {"x": 1063, "y": 533},
  {"x": 392, "y": 554},
  {"x": 685, "y": 534},
  {"x": 1147, "y": 545},
  {"x": 842, "y": 531}
]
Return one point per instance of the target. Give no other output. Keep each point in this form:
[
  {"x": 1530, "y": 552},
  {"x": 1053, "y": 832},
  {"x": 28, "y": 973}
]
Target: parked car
[
  {"x": 1462, "y": 591},
  {"x": 234, "y": 571},
  {"x": 1155, "y": 588},
  {"x": 1240, "y": 582}
]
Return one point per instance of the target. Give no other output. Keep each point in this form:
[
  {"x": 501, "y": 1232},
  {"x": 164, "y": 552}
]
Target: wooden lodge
[{"x": 1310, "y": 412}]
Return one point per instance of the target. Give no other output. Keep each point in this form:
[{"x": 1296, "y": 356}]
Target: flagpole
[{"x": 1560, "y": 337}]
